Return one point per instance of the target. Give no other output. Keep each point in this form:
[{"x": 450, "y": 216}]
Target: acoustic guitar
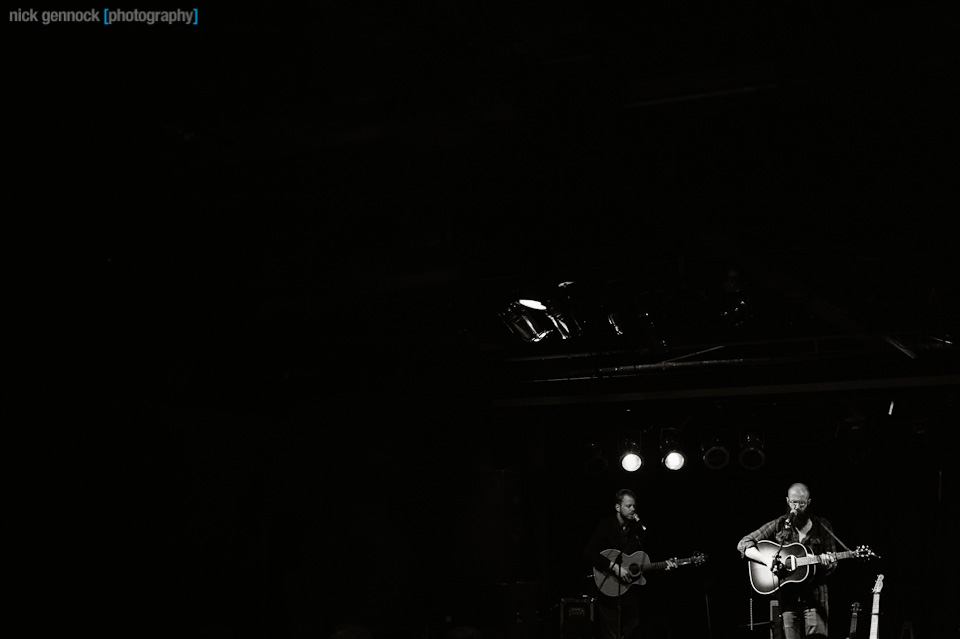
[
  {"x": 636, "y": 563},
  {"x": 797, "y": 564}
]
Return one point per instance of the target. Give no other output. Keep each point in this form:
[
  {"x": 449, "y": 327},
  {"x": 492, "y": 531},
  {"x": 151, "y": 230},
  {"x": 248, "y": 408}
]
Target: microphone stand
[
  {"x": 616, "y": 562},
  {"x": 619, "y": 562},
  {"x": 776, "y": 560},
  {"x": 633, "y": 530}
]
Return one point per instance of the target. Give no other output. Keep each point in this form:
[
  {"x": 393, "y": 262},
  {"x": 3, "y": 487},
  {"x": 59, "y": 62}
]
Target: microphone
[
  {"x": 791, "y": 517},
  {"x": 636, "y": 518}
]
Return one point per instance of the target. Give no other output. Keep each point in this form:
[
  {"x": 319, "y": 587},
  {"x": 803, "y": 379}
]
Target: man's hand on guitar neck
[
  {"x": 827, "y": 558},
  {"x": 672, "y": 563}
]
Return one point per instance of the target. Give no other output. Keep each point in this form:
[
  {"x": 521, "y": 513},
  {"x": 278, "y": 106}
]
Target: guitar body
[
  {"x": 765, "y": 581},
  {"x": 636, "y": 563}
]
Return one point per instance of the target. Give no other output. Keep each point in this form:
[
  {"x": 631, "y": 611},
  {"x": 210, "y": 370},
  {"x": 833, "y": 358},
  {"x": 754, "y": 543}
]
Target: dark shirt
[
  {"x": 608, "y": 534},
  {"x": 817, "y": 541}
]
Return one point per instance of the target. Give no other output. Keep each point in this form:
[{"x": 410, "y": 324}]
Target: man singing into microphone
[
  {"x": 806, "y": 600},
  {"x": 622, "y": 534}
]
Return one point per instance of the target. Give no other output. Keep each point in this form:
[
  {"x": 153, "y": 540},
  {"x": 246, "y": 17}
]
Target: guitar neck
[
  {"x": 874, "y": 614},
  {"x": 660, "y": 565},
  {"x": 854, "y": 609},
  {"x": 814, "y": 559},
  {"x": 853, "y": 625}
]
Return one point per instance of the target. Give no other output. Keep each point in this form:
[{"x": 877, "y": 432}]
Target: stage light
[
  {"x": 752, "y": 456},
  {"x": 674, "y": 460},
  {"x": 530, "y": 316},
  {"x": 670, "y": 449},
  {"x": 559, "y": 310},
  {"x": 637, "y": 322},
  {"x": 524, "y": 322},
  {"x": 532, "y": 290},
  {"x": 716, "y": 455},
  {"x": 616, "y": 321},
  {"x": 631, "y": 314},
  {"x": 617, "y": 308},
  {"x": 534, "y": 304},
  {"x": 631, "y": 460}
]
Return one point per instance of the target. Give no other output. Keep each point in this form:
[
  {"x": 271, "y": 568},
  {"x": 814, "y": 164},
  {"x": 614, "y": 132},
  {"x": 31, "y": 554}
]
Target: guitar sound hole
[{"x": 634, "y": 570}]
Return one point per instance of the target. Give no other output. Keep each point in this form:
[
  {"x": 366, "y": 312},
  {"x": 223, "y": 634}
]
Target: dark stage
[
  {"x": 271, "y": 271},
  {"x": 418, "y": 516}
]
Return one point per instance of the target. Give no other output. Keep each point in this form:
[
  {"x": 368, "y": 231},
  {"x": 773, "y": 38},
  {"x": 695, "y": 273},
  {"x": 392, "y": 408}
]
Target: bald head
[
  {"x": 798, "y": 498},
  {"x": 798, "y": 488}
]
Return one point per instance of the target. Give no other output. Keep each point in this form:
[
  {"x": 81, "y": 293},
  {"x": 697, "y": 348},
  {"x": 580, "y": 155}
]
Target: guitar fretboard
[
  {"x": 874, "y": 614},
  {"x": 659, "y": 565},
  {"x": 854, "y": 609},
  {"x": 846, "y": 554}
]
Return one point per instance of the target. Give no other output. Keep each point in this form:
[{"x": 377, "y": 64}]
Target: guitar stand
[{"x": 753, "y": 625}]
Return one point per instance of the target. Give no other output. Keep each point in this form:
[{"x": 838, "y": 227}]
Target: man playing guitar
[
  {"x": 804, "y": 604},
  {"x": 614, "y": 541}
]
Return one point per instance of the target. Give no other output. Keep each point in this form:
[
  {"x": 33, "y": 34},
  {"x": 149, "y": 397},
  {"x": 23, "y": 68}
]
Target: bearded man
[{"x": 804, "y": 607}]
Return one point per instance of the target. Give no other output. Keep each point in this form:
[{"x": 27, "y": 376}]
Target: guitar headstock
[
  {"x": 877, "y": 587},
  {"x": 864, "y": 552},
  {"x": 698, "y": 558},
  {"x": 855, "y": 606}
]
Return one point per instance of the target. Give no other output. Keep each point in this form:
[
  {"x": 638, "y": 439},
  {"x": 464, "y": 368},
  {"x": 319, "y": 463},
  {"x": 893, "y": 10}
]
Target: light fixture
[
  {"x": 617, "y": 309},
  {"x": 524, "y": 322},
  {"x": 531, "y": 289},
  {"x": 671, "y": 452},
  {"x": 559, "y": 310},
  {"x": 617, "y": 322},
  {"x": 716, "y": 455},
  {"x": 534, "y": 304},
  {"x": 631, "y": 314},
  {"x": 531, "y": 315},
  {"x": 752, "y": 456},
  {"x": 631, "y": 460}
]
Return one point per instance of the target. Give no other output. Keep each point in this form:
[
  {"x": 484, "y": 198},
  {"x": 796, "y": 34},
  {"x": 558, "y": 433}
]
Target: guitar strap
[{"x": 827, "y": 528}]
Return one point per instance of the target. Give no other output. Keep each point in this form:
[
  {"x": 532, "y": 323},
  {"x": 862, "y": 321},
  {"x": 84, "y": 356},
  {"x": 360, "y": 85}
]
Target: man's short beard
[{"x": 802, "y": 518}]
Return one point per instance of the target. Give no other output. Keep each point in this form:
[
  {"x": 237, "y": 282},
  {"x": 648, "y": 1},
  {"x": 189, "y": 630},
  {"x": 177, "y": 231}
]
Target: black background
[{"x": 258, "y": 264}]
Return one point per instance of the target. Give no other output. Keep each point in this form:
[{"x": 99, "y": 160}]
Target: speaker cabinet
[{"x": 577, "y": 619}]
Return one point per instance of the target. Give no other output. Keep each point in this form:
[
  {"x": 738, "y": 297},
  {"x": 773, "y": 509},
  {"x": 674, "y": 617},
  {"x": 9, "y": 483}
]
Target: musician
[
  {"x": 804, "y": 605},
  {"x": 623, "y": 532}
]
